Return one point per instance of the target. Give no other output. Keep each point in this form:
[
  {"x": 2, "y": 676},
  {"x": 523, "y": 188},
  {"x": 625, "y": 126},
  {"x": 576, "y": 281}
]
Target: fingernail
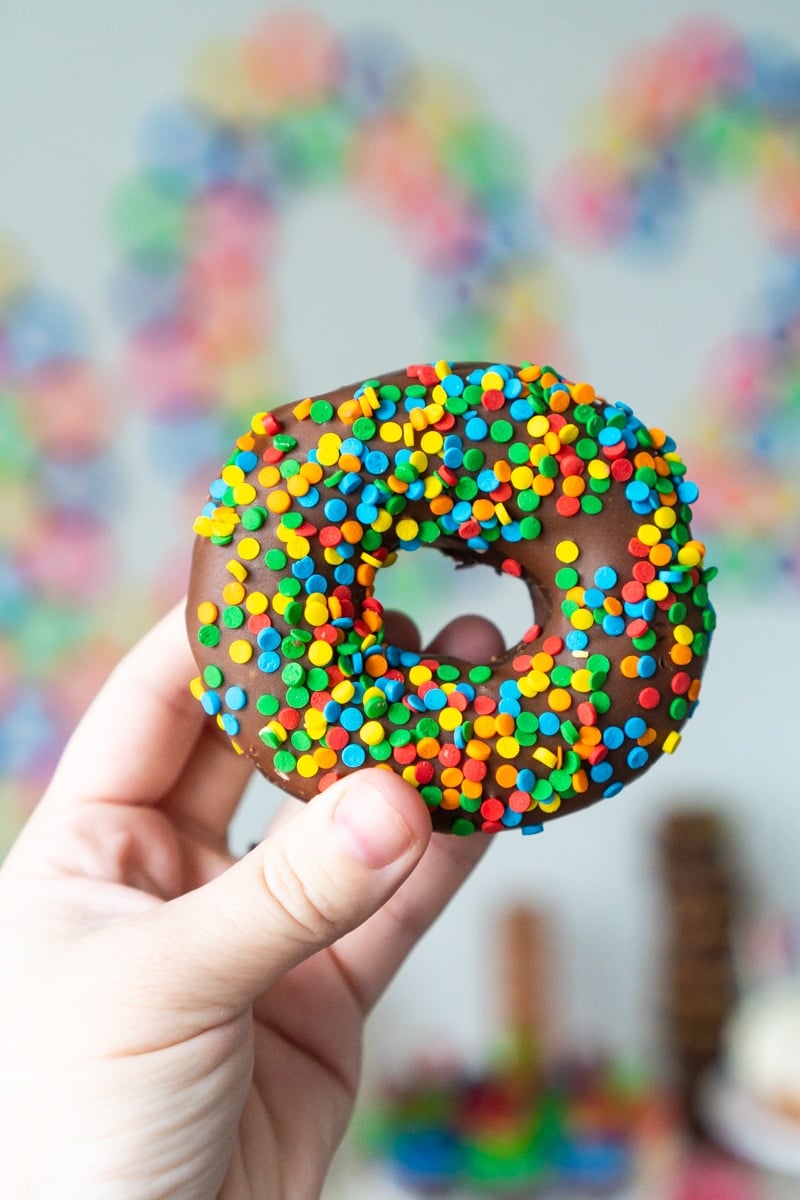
[{"x": 372, "y": 825}]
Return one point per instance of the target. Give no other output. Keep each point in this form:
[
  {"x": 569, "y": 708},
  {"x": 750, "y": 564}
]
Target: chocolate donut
[{"x": 514, "y": 467}]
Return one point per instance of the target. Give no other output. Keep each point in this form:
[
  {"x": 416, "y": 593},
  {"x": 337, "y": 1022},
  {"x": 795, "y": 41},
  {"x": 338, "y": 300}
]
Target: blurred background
[{"x": 210, "y": 207}]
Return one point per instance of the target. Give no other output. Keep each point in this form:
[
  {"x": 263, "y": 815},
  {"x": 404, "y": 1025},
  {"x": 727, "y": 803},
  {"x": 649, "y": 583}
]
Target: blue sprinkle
[
  {"x": 310, "y": 499},
  {"x": 635, "y": 727},
  {"x": 453, "y": 458},
  {"x": 647, "y": 666},
  {"x": 466, "y": 689},
  {"x": 613, "y": 625},
  {"x": 605, "y": 577},
  {"x": 269, "y": 662},
  {"x": 236, "y": 698},
  {"x": 453, "y": 385},
  {"x": 549, "y": 724},
  {"x": 476, "y": 429},
  {"x": 268, "y": 638},
  {"x": 613, "y": 789},
  {"x": 344, "y": 573},
  {"x": 487, "y": 481},
  {"x": 435, "y": 699},
  {"x": 577, "y": 639},
  {"x": 352, "y": 445},
  {"x": 230, "y": 724},
  {"x": 613, "y": 737},
  {"x": 527, "y": 830},
  {"x": 688, "y": 492},
  {"x": 601, "y": 772},
  {"x": 610, "y": 436},
  {"x": 246, "y": 460},
  {"x": 513, "y": 388},
  {"x": 303, "y": 567},
  {"x": 509, "y": 688},
  {"x": 211, "y": 703},
  {"x": 512, "y": 707},
  {"x": 332, "y": 711},
  {"x": 316, "y": 583},
  {"x": 637, "y": 491},
  {"x": 511, "y": 819},
  {"x": 393, "y": 689},
  {"x": 416, "y": 490},
  {"x": 376, "y": 462},
  {"x": 353, "y": 755},
  {"x": 526, "y": 780},
  {"x": 350, "y": 483},
  {"x": 593, "y": 597},
  {"x": 520, "y": 410},
  {"x": 366, "y": 513},
  {"x": 478, "y": 544},
  {"x": 638, "y": 758},
  {"x": 335, "y": 510},
  {"x": 461, "y": 511},
  {"x": 511, "y": 532},
  {"x": 351, "y": 719}
]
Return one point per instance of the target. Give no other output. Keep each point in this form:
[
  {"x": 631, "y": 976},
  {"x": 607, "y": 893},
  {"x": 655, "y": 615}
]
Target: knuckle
[{"x": 306, "y": 903}]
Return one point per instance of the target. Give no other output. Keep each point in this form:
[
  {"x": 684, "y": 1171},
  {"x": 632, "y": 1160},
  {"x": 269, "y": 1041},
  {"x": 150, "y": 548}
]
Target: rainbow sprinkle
[{"x": 479, "y": 462}]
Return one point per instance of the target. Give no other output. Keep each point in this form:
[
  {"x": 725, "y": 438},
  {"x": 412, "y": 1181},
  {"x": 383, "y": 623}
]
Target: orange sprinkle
[
  {"x": 485, "y": 727},
  {"x": 506, "y": 775},
  {"x": 543, "y": 485},
  {"x": 278, "y": 502},
  {"x": 681, "y": 655}
]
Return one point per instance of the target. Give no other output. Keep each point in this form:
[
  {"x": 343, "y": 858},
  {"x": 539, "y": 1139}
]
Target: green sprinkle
[
  {"x": 480, "y": 674},
  {"x": 208, "y": 635}
]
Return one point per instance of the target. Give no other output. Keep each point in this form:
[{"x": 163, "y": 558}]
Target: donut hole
[{"x": 434, "y": 589}]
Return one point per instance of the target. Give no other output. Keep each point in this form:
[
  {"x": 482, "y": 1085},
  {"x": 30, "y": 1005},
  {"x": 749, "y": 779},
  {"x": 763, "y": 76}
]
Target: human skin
[{"x": 175, "y": 1023}]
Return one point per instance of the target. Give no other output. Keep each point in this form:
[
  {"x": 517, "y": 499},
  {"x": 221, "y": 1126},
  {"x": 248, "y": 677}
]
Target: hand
[{"x": 174, "y": 1023}]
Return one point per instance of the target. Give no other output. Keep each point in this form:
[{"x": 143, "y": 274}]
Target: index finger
[{"x": 134, "y": 740}]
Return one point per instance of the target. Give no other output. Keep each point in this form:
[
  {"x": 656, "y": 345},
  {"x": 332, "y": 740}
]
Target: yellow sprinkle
[
  {"x": 598, "y": 469},
  {"x": 567, "y": 552},
  {"x": 277, "y": 730},
  {"x": 503, "y": 515},
  {"x": 320, "y": 653},
  {"x": 256, "y": 602},
  {"x": 407, "y": 529},
  {"x": 657, "y": 590},
  {"x": 202, "y": 527},
  {"x": 371, "y": 560},
  {"x": 197, "y": 687},
  {"x": 671, "y": 742},
  {"x": 450, "y": 719},
  {"x": 433, "y": 487},
  {"x": 371, "y": 732},
  {"x": 419, "y": 674},
  {"x": 648, "y": 534},
  {"x": 545, "y": 756},
  {"x": 244, "y": 493},
  {"x": 249, "y": 548},
  {"x": 683, "y": 634},
  {"x": 343, "y": 692},
  {"x": 307, "y": 766},
  {"x": 390, "y": 431},
  {"x": 238, "y": 570},
  {"x": 492, "y": 382},
  {"x": 280, "y": 603},
  {"x": 551, "y": 805},
  {"x": 507, "y": 747},
  {"x": 298, "y": 547},
  {"x": 207, "y": 612},
  {"x": 328, "y": 449},
  {"x": 232, "y": 475},
  {"x": 538, "y": 426},
  {"x": 316, "y": 614},
  {"x": 409, "y": 431},
  {"x": 432, "y": 441},
  {"x": 240, "y": 651}
]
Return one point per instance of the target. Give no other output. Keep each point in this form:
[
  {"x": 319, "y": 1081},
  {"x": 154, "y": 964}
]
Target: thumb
[{"x": 316, "y": 877}]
